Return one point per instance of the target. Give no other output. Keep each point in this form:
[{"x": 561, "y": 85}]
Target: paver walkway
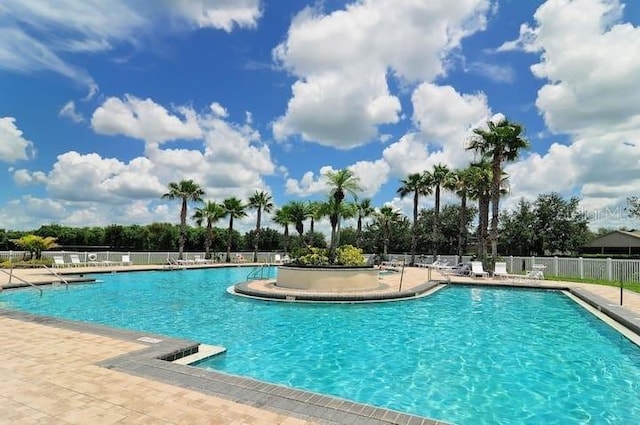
[{"x": 49, "y": 376}]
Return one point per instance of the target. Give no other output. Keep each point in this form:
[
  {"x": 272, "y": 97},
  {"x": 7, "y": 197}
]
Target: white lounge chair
[
  {"x": 500, "y": 270},
  {"x": 126, "y": 260},
  {"x": 477, "y": 270},
  {"x": 58, "y": 261},
  {"x": 277, "y": 259},
  {"x": 198, "y": 259},
  {"x": 75, "y": 261}
]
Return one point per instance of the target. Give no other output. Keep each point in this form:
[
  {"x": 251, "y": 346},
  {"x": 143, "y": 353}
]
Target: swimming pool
[{"x": 465, "y": 355}]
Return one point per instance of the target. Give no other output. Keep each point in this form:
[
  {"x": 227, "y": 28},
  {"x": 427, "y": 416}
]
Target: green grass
[{"x": 631, "y": 286}]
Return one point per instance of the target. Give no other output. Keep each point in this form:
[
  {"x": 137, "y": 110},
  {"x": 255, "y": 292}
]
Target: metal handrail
[
  {"x": 57, "y": 275},
  {"x": 253, "y": 274},
  {"x": 11, "y": 275}
]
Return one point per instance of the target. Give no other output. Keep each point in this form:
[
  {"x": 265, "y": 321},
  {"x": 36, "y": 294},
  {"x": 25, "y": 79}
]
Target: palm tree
[
  {"x": 234, "y": 208},
  {"x": 437, "y": 179},
  {"x": 480, "y": 190},
  {"x": 417, "y": 184},
  {"x": 298, "y": 213},
  {"x": 364, "y": 210},
  {"x": 283, "y": 218},
  {"x": 210, "y": 213},
  {"x": 314, "y": 209},
  {"x": 384, "y": 218},
  {"x": 502, "y": 142},
  {"x": 261, "y": 201},
  {"x": 460, "y": 184},
  {"x": 340, "y": 181},
  {"x": 185, "y": 190},
  {"x": 335, "y": 211}
]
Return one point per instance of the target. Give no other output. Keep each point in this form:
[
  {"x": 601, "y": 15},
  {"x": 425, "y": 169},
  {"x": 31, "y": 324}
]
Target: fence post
[
  {"x": 609, "y": 269},
  {"x": 555, "y": 266},
  {"x": 581, "y": 267}
]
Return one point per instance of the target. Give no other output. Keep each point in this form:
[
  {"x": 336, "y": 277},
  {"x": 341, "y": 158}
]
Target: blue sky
[{"x": 102, "y": 104}]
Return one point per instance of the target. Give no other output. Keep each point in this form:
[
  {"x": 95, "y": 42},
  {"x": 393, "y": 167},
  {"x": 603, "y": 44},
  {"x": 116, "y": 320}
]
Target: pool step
[{"x": 204, "y": 352}]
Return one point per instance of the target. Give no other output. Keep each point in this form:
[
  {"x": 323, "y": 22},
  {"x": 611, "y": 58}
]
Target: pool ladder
[
  {"x": 261, "y": 273},
  {"x": 11, "y": 275}
]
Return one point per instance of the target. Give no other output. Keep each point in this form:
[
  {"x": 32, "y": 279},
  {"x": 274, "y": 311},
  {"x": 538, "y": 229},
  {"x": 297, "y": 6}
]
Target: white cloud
[
  {"x": 69, "y": 111},
  {"x": 13, "y": 147},
  {"x": 591, "y": 91},
  {"x": 342, "y": 61},
  {"x": 91, "y": 26},
  {"x": 496, "y": 73},
  {"x": 145, "y": 120},
  {"x": 220, "y": 14}
]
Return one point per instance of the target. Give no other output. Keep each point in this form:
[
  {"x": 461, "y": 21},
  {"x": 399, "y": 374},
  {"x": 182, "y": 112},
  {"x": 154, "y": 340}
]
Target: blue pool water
[{"x": 464, "y": 355}]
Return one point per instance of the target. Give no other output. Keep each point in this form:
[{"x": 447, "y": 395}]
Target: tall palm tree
[
  {"x": 418, "y": 185},
  {"x": 185, "y": 190},
  {"x": 283, "y": 218},
  {"x": 502, "y": 142},
  {"x": 210, "y": 213},
  {"x": 234, "y": 208},
  {"x": 339, "y": 182},
  {"x": 437, "y": 179},
  {"x": 480, "y": 190},
  {"x": 460, "y": 184},
  {"x": 262, "y": 202},
  {"x": 364, "y": 210},
  {"x": 384, "y": 218}
]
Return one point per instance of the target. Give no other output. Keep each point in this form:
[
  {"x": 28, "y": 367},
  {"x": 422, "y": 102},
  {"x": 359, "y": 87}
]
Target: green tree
[
  {"x": 340, "y": 182},
  {"x": 417, "y": 185},
  {"x": 210, "y": 213},
  {"x": 35, "y": 244},
  {"x": 261, "y": 201},
  {"x": 185, "y": 190},
  {"x": 364, "y": 209},
  {"x": 502, "y": 142},
  {"x": 283, "y": 218},
  {"x": 384, "y": 219},
  {"x": 518, "y": 229},
  {"x": 439, "y": 178},
  {"x": 460, "y": 184},
  {"x": 298, "y": 213},
  {"x": 480, "y": 190},
  {"x": 233, "y": 208},
  {"x": 560, "y": 226}
]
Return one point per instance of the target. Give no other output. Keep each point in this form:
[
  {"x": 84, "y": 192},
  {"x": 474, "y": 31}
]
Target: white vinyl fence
[
  {"x": 584, "y": 268},
  {"x": 139, "y": 258}
]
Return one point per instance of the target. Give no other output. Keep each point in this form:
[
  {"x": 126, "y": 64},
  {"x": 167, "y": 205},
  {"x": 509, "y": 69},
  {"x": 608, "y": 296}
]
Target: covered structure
[{"x": 618, "y": 242}]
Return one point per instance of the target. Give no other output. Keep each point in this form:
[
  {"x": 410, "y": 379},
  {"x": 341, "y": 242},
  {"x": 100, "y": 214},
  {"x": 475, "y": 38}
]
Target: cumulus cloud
[
  {"x": 69, "y": 111},
  {"x": 342, "y": 61},
  {"x": 91, "y": 26},
  {"x": 144, "y": 120},
  {"x": 371, "y": 174},
  {"x": 591, "y": 88},
  {"x": 13, "y": 147},
  {"x": 226, "y": 158}
]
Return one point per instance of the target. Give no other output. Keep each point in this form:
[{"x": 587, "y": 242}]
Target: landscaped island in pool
[{"x": 465, "y": 355}]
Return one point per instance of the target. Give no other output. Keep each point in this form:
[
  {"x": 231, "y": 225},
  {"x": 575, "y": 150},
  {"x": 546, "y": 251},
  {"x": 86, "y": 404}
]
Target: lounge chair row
[
  {"x": 58, "y": 261},
  {"x": 475, "y": 269}
]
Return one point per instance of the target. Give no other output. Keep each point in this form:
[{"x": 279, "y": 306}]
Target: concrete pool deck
[{"x": 72, "y": 373}]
